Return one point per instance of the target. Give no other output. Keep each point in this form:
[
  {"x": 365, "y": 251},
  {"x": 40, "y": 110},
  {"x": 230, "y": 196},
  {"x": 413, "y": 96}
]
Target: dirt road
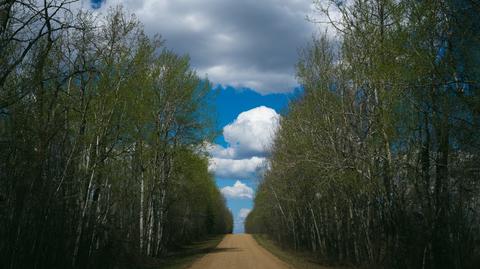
[{"x": 239, "y": 251}]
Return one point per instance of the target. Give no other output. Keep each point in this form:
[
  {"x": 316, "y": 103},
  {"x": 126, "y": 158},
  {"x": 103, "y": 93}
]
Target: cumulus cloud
[
  {"x": 220, "y": 152},
  {"x": 246, "y": 43},
  {"x": 244, "y": 213},
  {"x": 251, "y": 133},
  {"x": 243, "y": 169},
  {"x": 249, "y": 139},
  {"x": 238, "y": 191}
]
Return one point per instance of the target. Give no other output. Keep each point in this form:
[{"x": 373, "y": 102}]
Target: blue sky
[
  {"x": 96, "y": 3},
  {"x": 230, "y": 103},
  {"x": 251, "y": 48}
]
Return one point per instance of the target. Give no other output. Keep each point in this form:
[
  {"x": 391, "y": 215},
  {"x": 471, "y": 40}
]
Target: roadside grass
[
  {"x": 185, "y": 256},
  {"x": 298, "y": 260}
]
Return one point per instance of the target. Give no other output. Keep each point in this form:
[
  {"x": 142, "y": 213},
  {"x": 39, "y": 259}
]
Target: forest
[
  {"x": 102, "y": 141},
  {"x": 377, "y": 164}
]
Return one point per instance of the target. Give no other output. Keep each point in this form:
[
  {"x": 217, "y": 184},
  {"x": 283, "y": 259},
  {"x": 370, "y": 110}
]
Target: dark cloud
[{"x": 248, "y": 43}]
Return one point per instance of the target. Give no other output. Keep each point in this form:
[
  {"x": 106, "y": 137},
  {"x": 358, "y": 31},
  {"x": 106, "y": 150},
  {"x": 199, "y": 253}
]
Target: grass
[
  {"x": 185, "y": 256},
  {"x": 297, "y": 260}
]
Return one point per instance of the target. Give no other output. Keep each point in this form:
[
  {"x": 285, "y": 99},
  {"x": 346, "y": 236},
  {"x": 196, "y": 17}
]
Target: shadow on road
[{"x": 185, "y": 254}]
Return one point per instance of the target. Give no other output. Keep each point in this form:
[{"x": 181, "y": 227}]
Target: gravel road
[{"x": 239, "y": 251}]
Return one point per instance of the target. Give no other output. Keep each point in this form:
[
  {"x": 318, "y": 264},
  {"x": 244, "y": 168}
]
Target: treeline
[
  {"x": 101, "y": 134},
  {"x": 378, "y": 164}
]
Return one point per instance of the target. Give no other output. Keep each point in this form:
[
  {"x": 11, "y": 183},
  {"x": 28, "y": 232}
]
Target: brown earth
[{"x": 239, "y": 251}]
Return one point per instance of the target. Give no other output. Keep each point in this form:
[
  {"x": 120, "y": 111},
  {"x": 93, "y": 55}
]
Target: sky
[
  {"x": 248, "y": 50},
  {"x": 248, "y": 120}
]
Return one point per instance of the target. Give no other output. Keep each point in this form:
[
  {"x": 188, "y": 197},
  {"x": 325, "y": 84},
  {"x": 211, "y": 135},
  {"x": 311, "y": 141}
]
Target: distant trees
[
  {"x": 378, "y": 163},
  {"x": 101, "y": 134}
]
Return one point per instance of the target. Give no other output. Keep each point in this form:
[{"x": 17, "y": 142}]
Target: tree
[
  {"x": 372, "y": 166},
  {"x": 102, "y": 131}
]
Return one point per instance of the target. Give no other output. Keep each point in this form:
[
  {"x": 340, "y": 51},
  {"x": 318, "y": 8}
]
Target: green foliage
[
  {"x": 373, "y": 166},
  {"x": 102, "y": 130}
]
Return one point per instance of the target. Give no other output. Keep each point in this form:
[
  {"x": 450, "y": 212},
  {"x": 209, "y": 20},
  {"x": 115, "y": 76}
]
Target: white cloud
[
  {"x": 239, "y": 222},
  {"x": 250, "y": 138},
  {"x": 244, "y": 213},
  {"x": 238, "y": 191},
  {"x": 252, "y": 132},
  {"x": 243, "y": 169},
  {"x": 218, "y": 151}
]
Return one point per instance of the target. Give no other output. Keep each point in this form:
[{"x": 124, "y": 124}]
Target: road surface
[{"x": 239, "y": 251}]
